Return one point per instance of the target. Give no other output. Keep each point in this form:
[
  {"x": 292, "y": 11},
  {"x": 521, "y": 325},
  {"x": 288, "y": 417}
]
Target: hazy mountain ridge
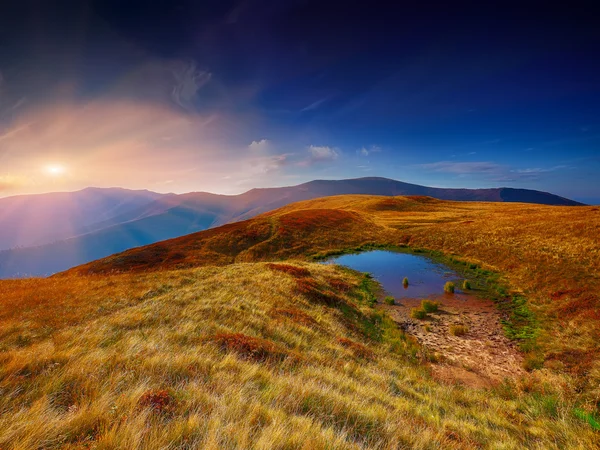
[
  {"x": 28, "y": 220},
  {"x": 149, "y": 217}
]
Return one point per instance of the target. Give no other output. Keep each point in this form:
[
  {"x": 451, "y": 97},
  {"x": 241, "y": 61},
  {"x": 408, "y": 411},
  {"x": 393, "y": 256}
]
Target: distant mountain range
[{"x": 73, "y": 228}]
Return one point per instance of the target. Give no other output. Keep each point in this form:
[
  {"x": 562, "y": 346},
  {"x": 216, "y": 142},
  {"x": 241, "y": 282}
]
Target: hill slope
[
  {"x": 176, "y": 215},
  {"x": 248, "y": 356},
  {"x": 550, "y": 254},
  {"x": 252, "y": 355}
]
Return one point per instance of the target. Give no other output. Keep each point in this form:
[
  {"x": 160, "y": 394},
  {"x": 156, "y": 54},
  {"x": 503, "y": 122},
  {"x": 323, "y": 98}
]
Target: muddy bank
[{"x": 481, "y": 357}]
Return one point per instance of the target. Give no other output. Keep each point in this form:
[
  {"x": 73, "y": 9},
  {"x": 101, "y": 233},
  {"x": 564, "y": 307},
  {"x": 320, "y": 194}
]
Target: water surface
[{"x": 425, "y": 277}]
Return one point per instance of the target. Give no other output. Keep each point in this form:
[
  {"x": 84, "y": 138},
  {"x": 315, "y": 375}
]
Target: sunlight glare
[{"x": 54, "y": 170}]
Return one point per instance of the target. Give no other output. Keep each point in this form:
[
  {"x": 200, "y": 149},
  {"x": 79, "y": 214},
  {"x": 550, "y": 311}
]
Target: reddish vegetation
[
  {"x": 560, "y": 294},
  {"x": 577, "y": 362},
  {"x": 311, "y": 290},
  {"x": 294, "y": 271},
  {"x": 588, "y": 304},
  {"x": 312, "y": 220},
  {"x": 159, "y": 401},
  {"x": 340, "y": 286},
  {"x": 248, "y": 347},
  {"x": 359, "y": 350},
  {"x": 295, "y": 315}
]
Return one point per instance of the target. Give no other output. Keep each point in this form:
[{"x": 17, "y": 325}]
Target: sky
[{"x": 224, "y": 96}]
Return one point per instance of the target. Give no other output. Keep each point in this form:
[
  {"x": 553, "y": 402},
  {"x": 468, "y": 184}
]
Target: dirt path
[{"x": 481, "y": 358}]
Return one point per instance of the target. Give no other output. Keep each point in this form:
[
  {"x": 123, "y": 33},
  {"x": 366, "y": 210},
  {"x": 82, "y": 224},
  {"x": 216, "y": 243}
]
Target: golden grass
[
  {"x": 551, "y": 254},
  {"x": 237, "y": 357},
  {"x": 458, "y": 330},
  {"x": 198, "y": 344}
]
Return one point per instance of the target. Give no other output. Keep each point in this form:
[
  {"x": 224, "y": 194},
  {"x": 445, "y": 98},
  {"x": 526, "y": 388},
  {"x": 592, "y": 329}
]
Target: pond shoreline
[{"x": 481, "y": 355}]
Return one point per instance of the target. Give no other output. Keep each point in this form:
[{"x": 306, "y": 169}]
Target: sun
[{"x": 54, "y": 170}]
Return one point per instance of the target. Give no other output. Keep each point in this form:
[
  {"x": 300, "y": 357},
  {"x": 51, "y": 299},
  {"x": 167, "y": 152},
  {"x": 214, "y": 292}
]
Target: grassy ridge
[{"x": 249, "y": 355}]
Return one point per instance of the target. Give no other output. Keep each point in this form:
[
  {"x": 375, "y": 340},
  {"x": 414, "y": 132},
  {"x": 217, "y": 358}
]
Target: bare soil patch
[{"x": 480, "y": 358}]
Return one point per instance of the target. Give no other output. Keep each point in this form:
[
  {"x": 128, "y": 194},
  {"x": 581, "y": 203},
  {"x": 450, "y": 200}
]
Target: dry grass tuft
[
  {"x": 359, "y": 350},
  {"x": 294, "y": 271},
  {"x": 458, "y": 330},
  {"x": 294, "y": 314},
  {"x": 316, "y": 293},
  {"x": 429, "y": 306},
  {"x": 418, "y": 313},
  {"x": 248, "y": 347},
  {"x": 158, "y": 401}
]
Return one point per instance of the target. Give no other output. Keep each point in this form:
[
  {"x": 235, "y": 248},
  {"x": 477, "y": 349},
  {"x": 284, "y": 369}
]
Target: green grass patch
[
  {"x": 429, "y": 306},
  {"x": 589, "y": 418},
  {"x": 418, "y": 313},
  {"x": 449, "y": 287},
  {"x": 520, "y": 324}
]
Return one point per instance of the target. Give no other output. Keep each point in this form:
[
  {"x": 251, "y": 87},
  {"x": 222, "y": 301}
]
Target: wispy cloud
[
  {"x": 490, "y": 171},
  {"x": 364, "y": 151},
  {"x": 462, "y": 168},
  {"x": 261, "y": 146},
  {"x": 322, "y": 154},
  {"x": 14, "y": 131},
  {"x": 316, "y": 105},
  {"x": 269, "y": 164},
  {"x": 188, "y": 81}
]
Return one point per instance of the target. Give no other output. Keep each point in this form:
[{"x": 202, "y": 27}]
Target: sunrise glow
[{"x": 54, "y": 170}]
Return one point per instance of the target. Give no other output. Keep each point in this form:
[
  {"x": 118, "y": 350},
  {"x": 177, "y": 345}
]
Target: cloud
[
  {"x": 315, "y": 105},
  {"x": 541, "y": 170},
  {"x": 491, "y": 171},
  {"x": 269, "y": 164},
  {"x": 462, "y": 168},
  {"x": 13, "y": 132},
  {"x": 322, "y": 154},
  {"x": 261, "y": 146},
  {"x": 367, "y": 151},
  {"x": 188, "y": 81}
]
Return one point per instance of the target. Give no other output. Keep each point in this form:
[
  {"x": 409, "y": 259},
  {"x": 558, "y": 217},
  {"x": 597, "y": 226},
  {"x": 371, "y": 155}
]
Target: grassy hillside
[
  {"x": 251, "y": 355},
  {"x": 200, "y": 342},
  {"x": 550, "y": 255}
]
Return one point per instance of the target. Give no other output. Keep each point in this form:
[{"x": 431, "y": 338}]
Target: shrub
[
  {"x": 418, "y": 313},
  {"x": 159, "y": 401},
  {"x": 466, "y": 285},
  {"x": 428, "y": 306},
  {"x": 389, "y": 300},
  {"x": 449, "y": 287},
  {"x": 458, "y": 330},
  {"x": 405, "y": 282},
  {"x": 312, "y": 291},
  {"x": 249, "y": 347}
]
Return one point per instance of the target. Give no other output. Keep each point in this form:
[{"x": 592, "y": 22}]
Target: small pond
[{"x": 425, "y": 277}]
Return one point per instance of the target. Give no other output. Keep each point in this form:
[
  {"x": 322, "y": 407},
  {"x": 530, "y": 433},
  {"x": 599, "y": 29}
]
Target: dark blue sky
[{"x": 229, "y": 95}]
